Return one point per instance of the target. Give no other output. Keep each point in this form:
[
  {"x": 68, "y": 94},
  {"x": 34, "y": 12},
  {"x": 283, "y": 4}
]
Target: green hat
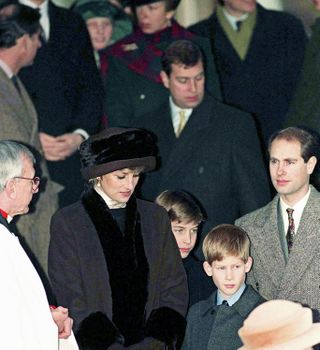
[{"x": 95, "y": 8}]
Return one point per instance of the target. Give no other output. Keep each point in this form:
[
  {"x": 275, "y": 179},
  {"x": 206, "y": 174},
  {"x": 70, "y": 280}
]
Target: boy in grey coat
[{"x": 214, "y": 323}]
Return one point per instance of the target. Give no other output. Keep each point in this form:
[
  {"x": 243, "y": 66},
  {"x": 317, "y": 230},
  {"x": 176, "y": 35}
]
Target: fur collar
[{"x": 126, "y": 261}]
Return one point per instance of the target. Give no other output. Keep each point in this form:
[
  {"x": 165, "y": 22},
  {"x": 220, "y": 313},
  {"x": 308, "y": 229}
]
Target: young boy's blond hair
[{"x": 225, "y": 240}]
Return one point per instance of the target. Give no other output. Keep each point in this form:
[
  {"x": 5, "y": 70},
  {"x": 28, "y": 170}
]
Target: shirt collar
[
  {"x": 6, "y": 216},
  {"x": 43, "y": 7},
  {"x": 233, "y": 20},
  {"x": 297, "y": 211},
  {"x": 299, "y": 206},
  {"x": 112, "y": 204},
  {"x": 234, "y": 298},
  {"x": 6, "y": 69},
  {"x": 176, "y": 109}
]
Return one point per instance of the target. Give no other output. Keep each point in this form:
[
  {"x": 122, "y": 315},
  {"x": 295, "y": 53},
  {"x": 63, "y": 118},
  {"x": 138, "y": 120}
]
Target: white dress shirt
[
  {"x": 175, "y": 114},
  {"x": 297, "y": 213}
]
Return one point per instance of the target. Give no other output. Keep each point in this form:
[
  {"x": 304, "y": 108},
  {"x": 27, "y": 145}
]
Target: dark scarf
[
  {"x": 142, "y": 53},
  {"x": 126, "y": 261}
]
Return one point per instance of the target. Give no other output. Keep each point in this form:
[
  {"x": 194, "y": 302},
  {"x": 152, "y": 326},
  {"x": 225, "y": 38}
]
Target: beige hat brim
[{"x": 310, "y": 338}]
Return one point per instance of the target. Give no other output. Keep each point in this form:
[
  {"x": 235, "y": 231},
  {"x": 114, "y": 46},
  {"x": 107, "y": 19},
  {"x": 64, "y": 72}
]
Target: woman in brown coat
[{"x": 112, "y": 259}]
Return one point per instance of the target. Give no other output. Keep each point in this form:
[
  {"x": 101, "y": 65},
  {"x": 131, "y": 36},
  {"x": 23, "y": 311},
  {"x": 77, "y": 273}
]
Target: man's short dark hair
[
  {"x": 15, "y": 21},
  {"x": 181, "y": 52},
  {"x": 308, "y": 139}
]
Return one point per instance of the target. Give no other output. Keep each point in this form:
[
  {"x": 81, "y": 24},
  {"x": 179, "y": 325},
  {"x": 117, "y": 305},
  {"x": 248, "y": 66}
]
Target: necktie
[
  {"x": 15, "y": 83},
  {"x": 224, "y": 302},
  {"x": 182, "y": 122},
  {"x": 290, "y": 232},
  {"x": 238, "y": 24}
]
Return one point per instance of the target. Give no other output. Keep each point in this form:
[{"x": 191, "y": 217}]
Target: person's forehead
[
  {"x": 285, "y": 146},
  {"x": 185, "y": 223},
  {"x": 27, "y": 165},
  {"x": 184, "y": 71}
]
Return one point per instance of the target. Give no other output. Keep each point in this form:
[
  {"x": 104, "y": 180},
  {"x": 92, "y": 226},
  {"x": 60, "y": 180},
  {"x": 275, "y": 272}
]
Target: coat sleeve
[
  {"x": 166, "y": 323},
  {"x": 250, "y": 180},
  {"x": 64, "y": 268}
]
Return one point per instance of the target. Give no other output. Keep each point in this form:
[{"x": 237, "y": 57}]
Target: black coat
[
  {"x": 217, "y": 158},
  {"x": 200, "y": 285},
  {"x": 83, "y": 238},
  {"x": 262, "y": 84},
  {"x": 66, "y": 89}
]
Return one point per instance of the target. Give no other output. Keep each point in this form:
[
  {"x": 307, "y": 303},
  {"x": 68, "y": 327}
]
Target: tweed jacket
[
  {"x": 81, "y": 277},
  {"x": 66, "y": 90},
  {"x": 299, "y": 278},
  {"x": 213, "y": 327},
  {"x": 264, "y": 82},
  {"x": 19, "y": 122},
  {"x": 217, "y": 158}
]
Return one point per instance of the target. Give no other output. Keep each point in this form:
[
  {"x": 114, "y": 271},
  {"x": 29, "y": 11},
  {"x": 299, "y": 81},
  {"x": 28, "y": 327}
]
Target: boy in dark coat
[{"x": 214, "y": 323}]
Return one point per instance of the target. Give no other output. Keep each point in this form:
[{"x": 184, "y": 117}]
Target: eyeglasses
[{"x": 35, "y": 181}]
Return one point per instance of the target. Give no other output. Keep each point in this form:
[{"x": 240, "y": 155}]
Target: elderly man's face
[
  {"x": 24, "y": 188},
  {"x": 238, "y": 8},
  {"x": 186, "y": 84}
]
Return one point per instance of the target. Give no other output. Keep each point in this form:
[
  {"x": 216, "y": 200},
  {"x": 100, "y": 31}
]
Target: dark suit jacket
[
  {"x": 217, "y": 158},
  {"x": 298, "y": 279},
  {"x": 262, "y": 84},
  {"x": 212, "y": 327},
  {"x": 66, "y": 89},
  {"x": 79, "y": 273}
]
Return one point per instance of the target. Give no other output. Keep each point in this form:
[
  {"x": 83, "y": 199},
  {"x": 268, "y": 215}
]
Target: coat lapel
[
  {"x": 199, "y": 123},
  {"x": 20, "y": 104},
  {"x": 266, "y": 242},
  {"x": 306, "y": 240}
]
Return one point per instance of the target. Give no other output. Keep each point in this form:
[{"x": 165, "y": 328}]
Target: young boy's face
[
  {"x": 185, "y": 234},
  {"x": 228, "y": 274}
]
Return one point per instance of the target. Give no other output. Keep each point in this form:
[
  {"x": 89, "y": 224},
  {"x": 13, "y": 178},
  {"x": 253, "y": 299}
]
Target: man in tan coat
[{"x": 19, "y": 41}]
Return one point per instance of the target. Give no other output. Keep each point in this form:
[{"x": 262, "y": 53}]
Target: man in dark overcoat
[
  {"x": 258, "y": 55},
  {"x": 214, "y": 153},
  {"x": 66, "y": 89},
  {"x": 133, "y": 82}
]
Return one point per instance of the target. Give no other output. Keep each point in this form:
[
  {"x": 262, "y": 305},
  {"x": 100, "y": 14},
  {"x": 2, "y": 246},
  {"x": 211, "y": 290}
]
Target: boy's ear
[
  {"x": 248, "y": 264},
  {"x": 207, "y": 268}
]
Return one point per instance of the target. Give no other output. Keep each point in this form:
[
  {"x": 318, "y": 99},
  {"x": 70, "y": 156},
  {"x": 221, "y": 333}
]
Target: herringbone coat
[
  {"x": 298, "y": 279},
  {"x": 19, "y": 122}
]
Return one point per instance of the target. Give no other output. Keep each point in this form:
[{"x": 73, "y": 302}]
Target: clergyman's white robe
[{"x": 25, "y": 319}]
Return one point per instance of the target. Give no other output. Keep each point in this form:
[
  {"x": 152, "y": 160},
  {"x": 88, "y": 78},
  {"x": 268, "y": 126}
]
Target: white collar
[
  {"x": 112, "y": 204},
  {"x": 43, "y": 7},
  {"x": 232, "y": 19},
  {"x": 4, "y": 66}
]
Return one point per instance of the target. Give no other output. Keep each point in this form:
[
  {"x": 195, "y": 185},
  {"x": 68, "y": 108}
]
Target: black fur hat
[{"x": 117, "y": 148}]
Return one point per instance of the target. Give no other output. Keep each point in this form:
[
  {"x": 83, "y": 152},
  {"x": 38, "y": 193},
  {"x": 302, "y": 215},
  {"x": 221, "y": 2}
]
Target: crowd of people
[{"x": 138, "y": 159}]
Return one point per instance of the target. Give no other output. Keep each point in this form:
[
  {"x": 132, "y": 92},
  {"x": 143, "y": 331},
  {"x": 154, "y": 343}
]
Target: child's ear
[
  {"x": 207, "y": 268},
  {"x": 248, "y": 264}
]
